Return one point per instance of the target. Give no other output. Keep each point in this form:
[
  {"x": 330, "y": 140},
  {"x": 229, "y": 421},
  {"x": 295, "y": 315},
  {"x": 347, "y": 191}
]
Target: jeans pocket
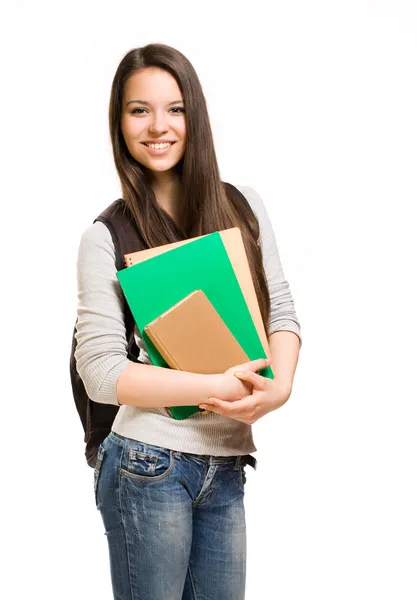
[
  {"x": 147, "y": 463},
  {"x": 97, "y": 470}
]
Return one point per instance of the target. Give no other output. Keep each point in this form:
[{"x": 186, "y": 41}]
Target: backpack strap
[
  {"x": 121, "y": 224},
  {"x": 232, "y": 193},
  {"x": 241, "y": 204},
  {"x": 126, "y": 238}
]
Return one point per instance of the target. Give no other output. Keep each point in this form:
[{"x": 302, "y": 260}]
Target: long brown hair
[{"x": 207, "y": 207}]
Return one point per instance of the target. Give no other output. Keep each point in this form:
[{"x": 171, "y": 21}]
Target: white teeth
[{"x": 157, "y": 146}]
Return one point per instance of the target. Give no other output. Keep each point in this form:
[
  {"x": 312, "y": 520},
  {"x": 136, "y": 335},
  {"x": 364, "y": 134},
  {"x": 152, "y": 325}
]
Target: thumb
[{"x": 255, "y": 365}]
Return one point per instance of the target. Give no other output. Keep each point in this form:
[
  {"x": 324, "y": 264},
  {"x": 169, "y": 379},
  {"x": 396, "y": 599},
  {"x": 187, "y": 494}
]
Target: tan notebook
[
  {"x": 191, "y": 336},
  {"x": 233, "y": 242}
]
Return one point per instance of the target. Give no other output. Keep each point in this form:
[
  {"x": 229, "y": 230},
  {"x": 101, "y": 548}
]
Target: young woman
[{"x": 170, "y": 492}]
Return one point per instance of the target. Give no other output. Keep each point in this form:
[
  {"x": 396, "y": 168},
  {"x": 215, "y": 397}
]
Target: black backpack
[{"x": 97, "y": 418}]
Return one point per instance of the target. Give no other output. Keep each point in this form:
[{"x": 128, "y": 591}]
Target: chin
[{"x": 162, "y": 166}]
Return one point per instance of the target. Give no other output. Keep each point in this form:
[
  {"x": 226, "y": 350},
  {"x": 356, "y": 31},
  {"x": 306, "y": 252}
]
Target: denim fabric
[{"x": 175, "y": 522}]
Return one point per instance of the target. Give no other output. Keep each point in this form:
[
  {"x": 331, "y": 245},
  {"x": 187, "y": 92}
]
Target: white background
[{"x": 313, "y": 104}]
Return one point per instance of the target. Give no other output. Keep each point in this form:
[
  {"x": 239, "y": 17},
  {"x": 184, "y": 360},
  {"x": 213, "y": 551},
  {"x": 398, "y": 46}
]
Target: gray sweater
[{"x": 101, "y": 354}]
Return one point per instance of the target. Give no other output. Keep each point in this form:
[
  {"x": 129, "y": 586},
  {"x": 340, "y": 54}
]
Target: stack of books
[{"x": 195, "y": 305}]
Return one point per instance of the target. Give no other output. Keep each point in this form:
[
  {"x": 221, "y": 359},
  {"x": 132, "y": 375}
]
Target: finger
[
  {"x": 222, "y": 407},
  {"x": 256, "y": 365},
  {"x": 231, "y": 414},
  {"x": 256, "y": 380}
]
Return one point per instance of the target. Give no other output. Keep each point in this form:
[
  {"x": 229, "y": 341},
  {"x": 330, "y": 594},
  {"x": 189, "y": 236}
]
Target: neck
[{"x": 169, "y": 193}]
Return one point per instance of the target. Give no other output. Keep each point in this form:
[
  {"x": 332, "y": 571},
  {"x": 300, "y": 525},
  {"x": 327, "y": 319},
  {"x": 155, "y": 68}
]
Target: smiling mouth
[
  {"x": 147, "y": 144},
  {"x": 158, "y": 151}
]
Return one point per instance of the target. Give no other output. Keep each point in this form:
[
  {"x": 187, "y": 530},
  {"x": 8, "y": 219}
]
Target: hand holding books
[{"x": 231, "y": 388}]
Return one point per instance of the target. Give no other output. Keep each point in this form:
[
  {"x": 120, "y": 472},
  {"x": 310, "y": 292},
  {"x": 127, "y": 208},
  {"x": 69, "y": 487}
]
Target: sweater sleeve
[
  {"x": 101, "y": 350},
  {"x": 283, "y": 316}
]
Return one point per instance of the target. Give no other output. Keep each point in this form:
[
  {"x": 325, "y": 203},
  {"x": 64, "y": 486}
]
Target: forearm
[
  {"x": 150, "y": 386},
  {"x": 285, "y": 348}
]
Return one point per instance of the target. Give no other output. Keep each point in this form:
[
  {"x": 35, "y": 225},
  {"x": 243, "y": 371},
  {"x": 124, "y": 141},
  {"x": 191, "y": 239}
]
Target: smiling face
[{"x": 153, "y": 112}]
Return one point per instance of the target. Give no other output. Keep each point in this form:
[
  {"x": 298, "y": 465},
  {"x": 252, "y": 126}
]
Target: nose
[{"x": 159, "y": 123}]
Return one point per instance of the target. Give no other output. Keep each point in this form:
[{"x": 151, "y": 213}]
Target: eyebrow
[{"x": 148, "y": 103}]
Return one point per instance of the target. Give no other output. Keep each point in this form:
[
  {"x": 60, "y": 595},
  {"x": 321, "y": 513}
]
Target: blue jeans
[{"x": 174, "y": 521}]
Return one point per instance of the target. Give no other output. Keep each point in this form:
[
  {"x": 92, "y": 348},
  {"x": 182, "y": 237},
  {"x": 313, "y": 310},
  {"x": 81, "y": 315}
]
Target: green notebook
[{"x": 155, "y": 285}]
